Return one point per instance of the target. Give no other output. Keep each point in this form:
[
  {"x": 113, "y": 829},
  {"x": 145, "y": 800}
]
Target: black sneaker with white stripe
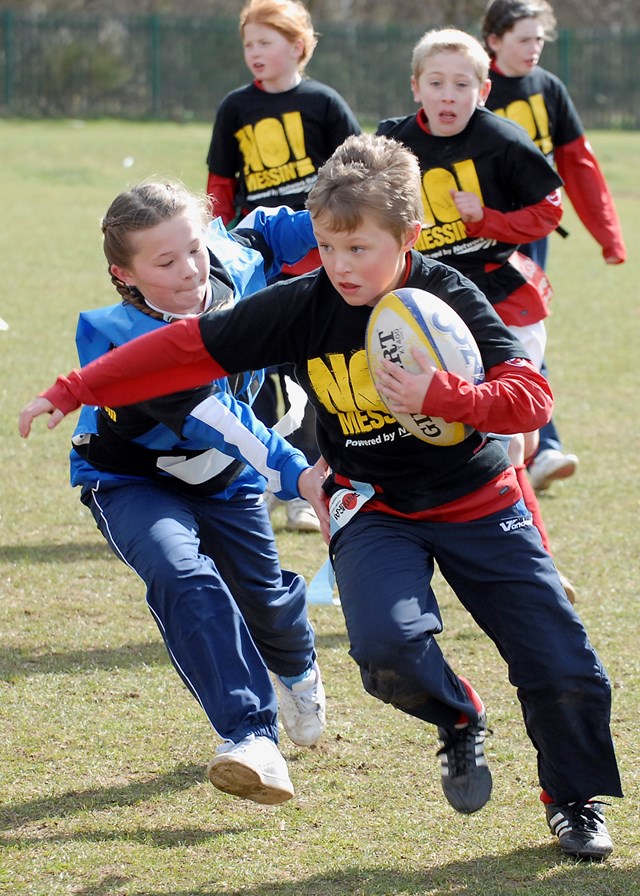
[
  {"x": 580, "y": 829},
  {"x": 466, "y": 779}
]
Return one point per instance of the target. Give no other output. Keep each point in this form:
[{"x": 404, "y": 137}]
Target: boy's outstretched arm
[
  {"x": 168, "y": 360},
  {"x": 34, "y": 409}
]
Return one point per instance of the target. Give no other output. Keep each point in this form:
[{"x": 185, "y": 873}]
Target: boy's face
[
  {"x": 363, "y": 265},
  {"x": 518, "y": 51},
  {"x": 449, "y": 91}
]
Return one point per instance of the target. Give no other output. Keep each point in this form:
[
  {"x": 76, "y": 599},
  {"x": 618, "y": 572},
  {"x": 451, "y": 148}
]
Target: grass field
[{"x": 102, "y": 751}]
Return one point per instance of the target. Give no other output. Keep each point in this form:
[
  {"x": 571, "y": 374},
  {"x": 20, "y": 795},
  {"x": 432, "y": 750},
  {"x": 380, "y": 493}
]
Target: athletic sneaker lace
[
  {"x": 585, "y": 816},
  {"x": 464, "y": 747},
  {"x": 464, "y": 770},
  {"x": 593, "y": 812},
  {"x": 302, "y": 708},
  {"x": 580, "y": 829},
  {"x": 305, "y": 700}
]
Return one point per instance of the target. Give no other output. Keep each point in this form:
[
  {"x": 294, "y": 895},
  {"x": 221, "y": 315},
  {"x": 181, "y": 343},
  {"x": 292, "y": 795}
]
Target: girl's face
[
  {"x": 449, "y": 91},
  {"x": 363, "y": 265},
  {"x": 518, "y": 50},
  {"x": 169, "y": 265},
  {"x": 271, "y": 58}
]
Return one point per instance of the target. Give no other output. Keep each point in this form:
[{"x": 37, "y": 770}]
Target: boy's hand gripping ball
[{"x": 413, "y": 318}]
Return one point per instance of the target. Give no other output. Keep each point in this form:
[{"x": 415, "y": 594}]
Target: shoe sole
[
  {"x": 595, "y": 855},
  {"x": 569, "y": 590},
  {"x": 303, "y": 527},
  {"x": 562, "y": 472},
  {"x": 237, "y": 779},
  {"x": 465, "y": 800}
]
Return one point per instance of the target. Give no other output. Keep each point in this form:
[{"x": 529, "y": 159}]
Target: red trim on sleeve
[
  {"x": 514, "y": 397},
  {"x": 62, "y": 394},
  {"x": 522, "y": 226},
  {"x": 222, "y": 193},
  {"x": 590, "y": 196},
  {"x": 168, "y": 360}
]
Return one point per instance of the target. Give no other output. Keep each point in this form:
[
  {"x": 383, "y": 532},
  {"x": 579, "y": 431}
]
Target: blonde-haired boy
[
  {"x": 450, "y": 40},
  {"x": 486, "y": 189}
]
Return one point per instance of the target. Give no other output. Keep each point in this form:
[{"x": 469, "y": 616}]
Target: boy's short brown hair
[
  {"x": 290, "y": 17},
  {"x": 450, "y": 40},
  {"x": 373, "y": 176}
]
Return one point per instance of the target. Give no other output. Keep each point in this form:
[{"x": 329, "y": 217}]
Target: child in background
[
  {"x": 486, "y": 189},
  {"x": 269, "y": 139},
  {"x": 175, "y": 485},
  {"x": 398, "y": 504},
  {"x": 514, "y": 33}
]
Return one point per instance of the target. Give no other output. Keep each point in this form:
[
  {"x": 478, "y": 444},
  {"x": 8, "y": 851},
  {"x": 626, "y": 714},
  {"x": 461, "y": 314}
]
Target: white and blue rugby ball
[{"x": 410, "y": 318}]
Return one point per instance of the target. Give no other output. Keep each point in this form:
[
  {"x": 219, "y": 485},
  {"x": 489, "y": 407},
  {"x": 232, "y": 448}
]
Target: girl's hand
[
  {"x": 469, "y": 206},
  {"x": 310, "y": 488},
  {"x": 34, "y": 409},
  {"x": 404, "y": 392}
]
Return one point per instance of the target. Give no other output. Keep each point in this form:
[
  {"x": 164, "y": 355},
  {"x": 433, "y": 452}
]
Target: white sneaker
[
  {"x": 549, "y": 465},
  {"x": 301, "y": 517},
  {"x": 253, "y": 769},
  {"x": 303, "y": 708}
]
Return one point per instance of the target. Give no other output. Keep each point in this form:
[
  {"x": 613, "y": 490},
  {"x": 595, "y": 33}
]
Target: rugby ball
[{"x": 413, "y": 318}]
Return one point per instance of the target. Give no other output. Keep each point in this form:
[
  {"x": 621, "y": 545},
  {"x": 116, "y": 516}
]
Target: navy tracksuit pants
[
  {"x": 226, "y": 610},
  {"x": 507, "y": 581}
]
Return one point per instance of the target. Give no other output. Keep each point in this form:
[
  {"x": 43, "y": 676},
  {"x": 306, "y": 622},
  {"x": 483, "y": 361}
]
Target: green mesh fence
[{"x": 179, "y": 68}]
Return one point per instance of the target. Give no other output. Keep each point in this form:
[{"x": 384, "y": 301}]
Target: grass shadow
[
  {"x": 180, "y": 778},
  {"x": 68, "y": 552},
  {"x": 18, "y": 663},
  {"x": 540, "y": 870}
]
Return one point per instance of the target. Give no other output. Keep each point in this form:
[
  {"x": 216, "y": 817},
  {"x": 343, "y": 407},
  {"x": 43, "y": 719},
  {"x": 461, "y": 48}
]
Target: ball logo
[
  {"x": 409, "y": 319},
  {"x": 389, "y": 343},
  {"x": 428, "y": 426}
]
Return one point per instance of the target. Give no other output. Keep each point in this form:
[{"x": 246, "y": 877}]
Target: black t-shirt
[
  {"x": 274, "y": 143},
  {"x": 306, "y": 322},
  {"x": 493, "y": 158},
  {"x": 540, "y": 103}
]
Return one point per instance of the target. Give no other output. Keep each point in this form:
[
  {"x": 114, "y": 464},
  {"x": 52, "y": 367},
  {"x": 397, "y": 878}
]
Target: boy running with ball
[{"x": 399, "y": 505}]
